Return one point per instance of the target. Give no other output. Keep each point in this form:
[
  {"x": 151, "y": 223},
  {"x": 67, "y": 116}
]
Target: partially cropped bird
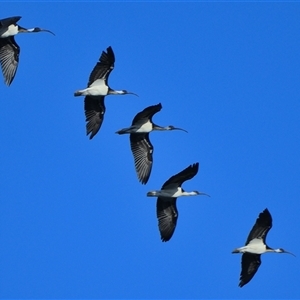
[
  {"x": 141, "y": 146},
  {"x": 96, "y": 90},
  {"x": 9, "y": 49},
  {"x": 255, "y": 246},
  {"x": 166, "y": 209}
]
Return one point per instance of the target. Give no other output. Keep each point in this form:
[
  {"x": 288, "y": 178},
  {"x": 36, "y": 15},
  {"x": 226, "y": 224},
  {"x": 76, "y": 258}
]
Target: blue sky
[{"x": 75, "y": 221}]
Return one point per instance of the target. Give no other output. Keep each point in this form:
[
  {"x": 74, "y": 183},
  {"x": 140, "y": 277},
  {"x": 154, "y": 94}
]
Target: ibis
[
  {"x": 96, "y": 90},
  {"x": 255, "y": 246},
  {"x": 9, "y": 49},
  {"x": 140, "y": 144},
  {"x": 166, "y": 209}
]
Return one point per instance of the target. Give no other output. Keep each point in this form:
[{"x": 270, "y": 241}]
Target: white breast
[
  {"x": 256, "y": 246},
  {"x": 97, "y": 88},
  {"x": 11, "y": 30},
  {"x": 147, "y": 127}
]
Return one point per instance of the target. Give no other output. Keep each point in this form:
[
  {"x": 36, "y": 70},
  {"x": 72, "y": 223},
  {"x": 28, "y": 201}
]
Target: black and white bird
[
  {"x": 96, "y": 90},
  {"x": 141, "y": 146},
  {"x": 9, "y": 49},
  {"x": 255, "y": 246},
  {"x": 166, "y": 209}
]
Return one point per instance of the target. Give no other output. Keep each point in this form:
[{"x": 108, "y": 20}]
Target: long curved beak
[
  {"x": 176, "y": 128},
  {"x": 46, "y": 30},
  {"x": 132, "y": 94},
  {"x": 35, "y": 29},
  {"x": 204, "y": 194},
  {"x": 289, "y": 253}
]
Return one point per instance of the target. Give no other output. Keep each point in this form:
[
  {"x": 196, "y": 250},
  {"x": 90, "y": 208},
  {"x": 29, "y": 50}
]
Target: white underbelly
[
  {"x": 97, "y": 88},
  {"x": 255, "y": 250},
  {"x": 255, "y": 246},
  {"x": 147, "y": 127}
]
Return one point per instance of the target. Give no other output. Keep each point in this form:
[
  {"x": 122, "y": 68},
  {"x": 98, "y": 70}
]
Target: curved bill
[
  {"x": 35, "y": 29},
  {"x": 289, "y": 253},
  {"x": 176, "y": 128},
  {"x": 204, "y": 194},
  {"x": 132, "y": 94},
  {"x": 46, "y": 30}
]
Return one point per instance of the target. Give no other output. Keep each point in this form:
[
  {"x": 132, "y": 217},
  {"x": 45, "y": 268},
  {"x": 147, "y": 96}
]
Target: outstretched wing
[
  {"x": 261, "y": 227},
  {"x": 9, "y": 21},
  {"x": 182, "y": 176},
  {"x": 9, "y": 58},
  {"x": 94, "y": 109},
  {"x": 250, "y": 265},
  {"x": 147, "y": 113},
  {"x": 103, "y": 67},
  {"x": 167, "y": 215},
  {"x": 142, "y": 151}
]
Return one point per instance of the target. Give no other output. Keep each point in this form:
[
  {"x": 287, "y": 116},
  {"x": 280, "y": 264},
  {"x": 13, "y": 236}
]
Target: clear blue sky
[{"x": 75, "y": 221}]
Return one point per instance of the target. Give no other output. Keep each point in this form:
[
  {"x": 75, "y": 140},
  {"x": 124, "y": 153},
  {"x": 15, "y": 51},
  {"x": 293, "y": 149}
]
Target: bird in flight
[
  {"x": 140, "y": 144},
  {"x": 255, "y": 246},
  {"x": 9, "y": 49},
  {"x": 166, "y": 210},
  {"x": 96, "y": 90}
]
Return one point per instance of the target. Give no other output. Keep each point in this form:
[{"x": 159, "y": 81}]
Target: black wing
[
  {"x": 94, "y": 109},
  {"x": 9, "y": 58},
  {"x": 147, "y": 113},
  {"x": 103, "y": 67},
  {"x": 261, "y": 227},
  {"x": 182, "y": 176},
  {"x": 167, "y": 215},
  {"x": 142, "y": 151},
  {"x": 9, "y": 21},
  {"x": 250, "y": 265}
]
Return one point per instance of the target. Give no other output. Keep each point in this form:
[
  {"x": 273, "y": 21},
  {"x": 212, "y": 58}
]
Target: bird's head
[
  {"x": 124, "y": 92},
  {"x": 38, "y": 29},
  {"x": 280, "y": 250},
  {"x": 171, "y": 127},
  {"x": 200, "y": 193}
]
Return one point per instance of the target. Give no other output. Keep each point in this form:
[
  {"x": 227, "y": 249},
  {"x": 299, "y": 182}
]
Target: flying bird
[
  {"x": 140, "y": 144},
  {"x": 96, "y": 90},
  {"x": 255, "y": 246},
  {"x": 166, "y": 209},
  {"x": 9, "y": 49}
]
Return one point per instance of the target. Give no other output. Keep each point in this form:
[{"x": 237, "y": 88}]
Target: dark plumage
[
  {"x": 250, "y": 261},
  {"x": 140, "y": 144},
  {"x": 9, "y": 49},
  {"x": 97, "y": 89},
  {"x": 255, "y": 246},
  {"x": 94, "y": 107},
  {"x": 166, "y": 210}
]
